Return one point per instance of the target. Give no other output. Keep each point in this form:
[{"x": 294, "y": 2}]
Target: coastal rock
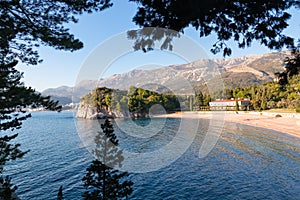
[
  {"x": 123, "y": 114},
  {"x": 87, "y": 111}
]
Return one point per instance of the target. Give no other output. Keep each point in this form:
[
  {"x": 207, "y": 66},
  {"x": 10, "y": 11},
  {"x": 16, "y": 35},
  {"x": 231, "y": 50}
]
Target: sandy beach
[{"x": 283, "y": 122}]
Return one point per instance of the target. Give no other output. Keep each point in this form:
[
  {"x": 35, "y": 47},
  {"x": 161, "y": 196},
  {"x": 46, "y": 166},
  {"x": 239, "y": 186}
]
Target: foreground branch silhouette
[
  {"x": 237, "y": 20},
  {"x": 24, "y": 26},
  {"x": 103, "y": 180}
]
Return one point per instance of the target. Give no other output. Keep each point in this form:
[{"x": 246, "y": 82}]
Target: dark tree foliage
[
  {"x": 292, "y": 66},
  {"x": 7, "y": 189},
  {"x": 141, "y": 100},
  {"x": 136, "y": 100},
  {"x": 15, "y": 98},
  {"x": 60, "y": 194},
  {"x": 103, "y": 180},
  {"x": 228, "y": 93},
  {"x": 199, "y": 99},
  {"x": 241, "y": 20},
  {"x": 103, "y": 97},
  {"x": 24, "y": 26}
]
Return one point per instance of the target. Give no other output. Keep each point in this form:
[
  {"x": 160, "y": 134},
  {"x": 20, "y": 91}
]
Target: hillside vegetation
[
  {"x": 271, "y": 95},
  {"x": 137, "y": 101}
]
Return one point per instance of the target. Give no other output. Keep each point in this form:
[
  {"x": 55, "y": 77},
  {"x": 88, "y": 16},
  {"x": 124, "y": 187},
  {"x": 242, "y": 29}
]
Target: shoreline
[{"x": 288, "y": 123}]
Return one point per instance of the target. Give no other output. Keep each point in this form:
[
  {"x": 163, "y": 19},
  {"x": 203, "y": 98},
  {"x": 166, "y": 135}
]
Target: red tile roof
[{"x": 229, "y": 100}]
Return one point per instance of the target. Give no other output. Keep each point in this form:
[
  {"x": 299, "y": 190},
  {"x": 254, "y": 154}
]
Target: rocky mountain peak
[{"x": 235, "y": 72}]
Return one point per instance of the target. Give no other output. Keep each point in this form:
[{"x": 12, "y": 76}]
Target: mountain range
[{"x": 233, "y": 72}]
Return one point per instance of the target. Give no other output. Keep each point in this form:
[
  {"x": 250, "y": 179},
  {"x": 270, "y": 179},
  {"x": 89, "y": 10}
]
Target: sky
[{"x": 96, "y": 30}]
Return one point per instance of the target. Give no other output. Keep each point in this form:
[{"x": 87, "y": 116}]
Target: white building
[{"x": 229, "y": 104}]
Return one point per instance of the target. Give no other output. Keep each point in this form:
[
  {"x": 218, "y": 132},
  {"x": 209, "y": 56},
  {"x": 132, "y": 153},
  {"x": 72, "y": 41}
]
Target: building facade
[{"x": 229, "y": 104}]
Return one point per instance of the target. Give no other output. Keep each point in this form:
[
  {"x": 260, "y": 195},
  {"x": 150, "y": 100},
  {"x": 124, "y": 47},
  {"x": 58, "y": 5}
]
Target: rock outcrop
[{"x": 87, "y": 111}]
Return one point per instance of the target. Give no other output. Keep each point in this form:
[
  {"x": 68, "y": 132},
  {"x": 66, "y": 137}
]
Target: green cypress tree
[
  {"x": 102, "y": 180},
  {"x": 199, "y": 99}
]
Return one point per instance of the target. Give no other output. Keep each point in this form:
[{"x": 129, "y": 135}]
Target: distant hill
[
  {"x": 65, "y": 94},
  {"x": 253, "y": 69},
  {"x": 235, "y": 72}
]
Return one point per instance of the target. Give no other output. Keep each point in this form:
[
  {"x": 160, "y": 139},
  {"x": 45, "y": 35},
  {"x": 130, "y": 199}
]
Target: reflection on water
[{"x": 246, "y": 163}]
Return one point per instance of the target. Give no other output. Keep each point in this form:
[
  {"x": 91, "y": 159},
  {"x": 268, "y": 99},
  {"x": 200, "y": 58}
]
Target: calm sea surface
[{"x": 246, "y": 163}]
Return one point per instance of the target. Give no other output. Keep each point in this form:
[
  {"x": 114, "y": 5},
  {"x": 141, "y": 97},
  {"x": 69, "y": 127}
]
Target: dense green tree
[
  {"x": 141, "y": 100},
  {"x": 118, "y": 100},
  {"x": 103, "y": 180},
  {"x": 137, "y": 101},
  {"x": 263, "y": 102},
  {"x": 199, "y": 99},
  {"x": 228, "y": 93},
  {"x": 240, "y": 93},
  {"x": 207, "y": 99},
  {"x": 202, "y": 99},
  {"x": 102, "y": 97},
  {"x": 169, "y": 101},
  {"x": 273, "y": 95}
]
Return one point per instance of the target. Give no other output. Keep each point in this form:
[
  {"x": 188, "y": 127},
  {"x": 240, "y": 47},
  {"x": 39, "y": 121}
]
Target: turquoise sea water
[{"x": 246, "y": 163}]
